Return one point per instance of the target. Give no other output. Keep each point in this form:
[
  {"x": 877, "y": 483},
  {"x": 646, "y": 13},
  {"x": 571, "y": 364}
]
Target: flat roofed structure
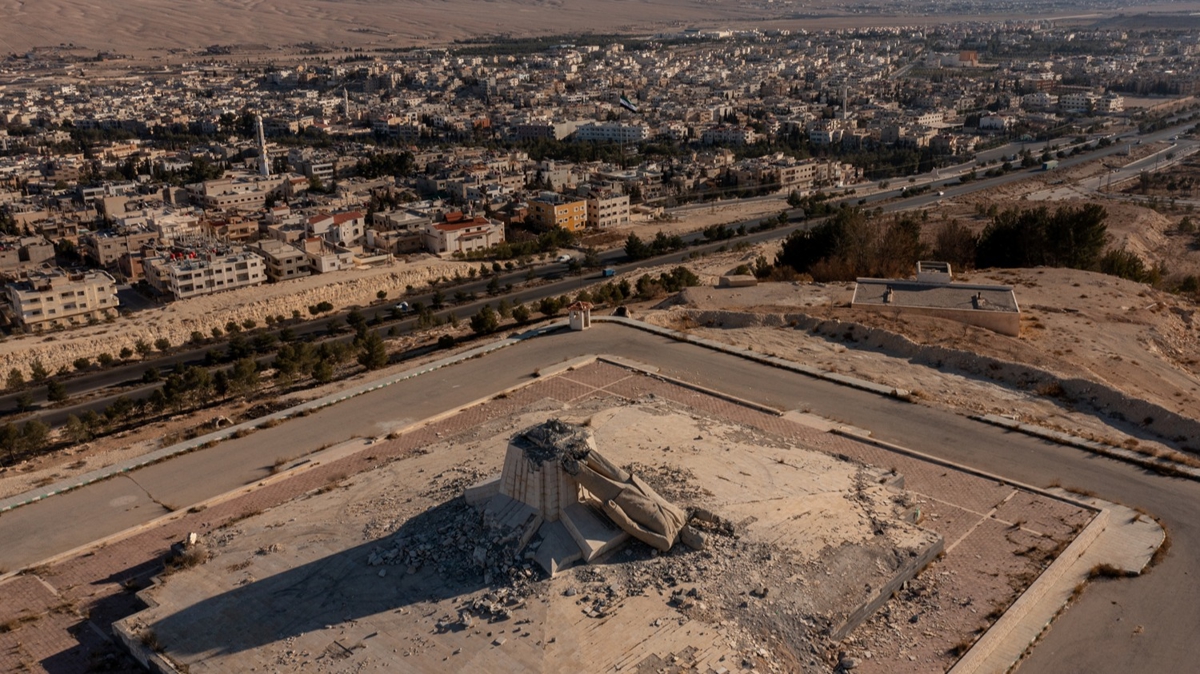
[{"x": 988, "y": 306}]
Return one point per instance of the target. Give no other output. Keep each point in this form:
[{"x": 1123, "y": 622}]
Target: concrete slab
[
  {"x": 594, "y": 533},
  {"x": 558, "y": 549}
]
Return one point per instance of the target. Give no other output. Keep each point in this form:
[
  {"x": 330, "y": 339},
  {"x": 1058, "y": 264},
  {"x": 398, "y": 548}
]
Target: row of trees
[{"x": 852, "y": 244}]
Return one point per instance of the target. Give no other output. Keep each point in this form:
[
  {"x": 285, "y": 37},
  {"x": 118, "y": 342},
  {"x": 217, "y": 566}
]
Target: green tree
[
  {"x": 38, "y": 371},
  {"x": 635, "y": 248},
  {"x": 34, "y": 435},
  {"x": 16, "y": 380},
  {"x": 75, "y": 430},
  {"x": 243, "y": 376},
  {"x": 956, "y": 244},
  {"x": 55, "y": 391},
  {"x": 520, "y": 314},
  {"x": 143, "y": 348},
  {"x": 374, "y": 352},
  {"x": 486, "y": 321},
  {"x": 322, "y": 371},
  {"x": 549, "y": 306},
  {"x": 82, "y": 364},
  {"x": 105, "y": 359}
]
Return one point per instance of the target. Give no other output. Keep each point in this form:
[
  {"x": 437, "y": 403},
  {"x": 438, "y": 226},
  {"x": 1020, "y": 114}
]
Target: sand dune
[{"x": 134, "y": 25}]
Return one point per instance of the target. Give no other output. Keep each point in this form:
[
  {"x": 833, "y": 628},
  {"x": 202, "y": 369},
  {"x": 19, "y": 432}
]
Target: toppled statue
[
  {"x": 627, "y": 500},
  {"x": 557, "y": 487}
]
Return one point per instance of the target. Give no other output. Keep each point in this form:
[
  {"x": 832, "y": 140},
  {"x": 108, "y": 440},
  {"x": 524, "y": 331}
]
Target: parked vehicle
[{"x": 608, "y": 272}]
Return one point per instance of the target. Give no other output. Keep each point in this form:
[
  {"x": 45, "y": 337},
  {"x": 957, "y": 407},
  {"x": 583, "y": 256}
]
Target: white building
[
  {"x": 729, "y": 135},
  {"x": 347, "y": 229},
  {"x": 612, "y": 132},
  {"x": 459, "y": 233},
  {"x": 202, "y": 272},
  {"x": 60, "y": 298}
]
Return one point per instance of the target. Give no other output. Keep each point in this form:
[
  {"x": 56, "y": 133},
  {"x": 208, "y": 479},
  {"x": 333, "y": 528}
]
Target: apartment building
[
  {"x": 191, "y": 273},
  {"x": 347, "y": 229},
  {"x": 460, "y": 233},
  {"x": 551, "y": 210},
  {"x": 106, "y": 247},
  {"x": 18, "y": 252},
  {"x": 56, "y": 298},
  {"x": 607, "y": 210},
  {"x": 612, "y": 132},
  {"x": 283, "y": 261},
  {"x": 729, "y": 135},
  {"x": 240, "y": 193}
]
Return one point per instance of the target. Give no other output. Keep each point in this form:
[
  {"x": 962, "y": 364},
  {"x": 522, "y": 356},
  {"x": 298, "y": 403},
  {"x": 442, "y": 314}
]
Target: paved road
[{"x": 1097, "y": 635}]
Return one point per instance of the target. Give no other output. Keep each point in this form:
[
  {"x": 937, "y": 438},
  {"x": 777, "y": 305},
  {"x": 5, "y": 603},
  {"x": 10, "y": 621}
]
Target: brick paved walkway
[{"x": 54, "y": 618}]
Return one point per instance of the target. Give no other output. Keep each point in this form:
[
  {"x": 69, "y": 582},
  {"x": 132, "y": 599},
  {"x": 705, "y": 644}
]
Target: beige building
[
  {"x": 459, "y": 233},
  {"x": 107, "y": 246},
  {"x": 60, "y": 298},
  {"x": 283, "y": 260},
  {"x": 241, "y": 193},
  {"x": 203, "y": 272},
  {"x": 607, "y": 210},
  {"x": 19, "y": 252}
]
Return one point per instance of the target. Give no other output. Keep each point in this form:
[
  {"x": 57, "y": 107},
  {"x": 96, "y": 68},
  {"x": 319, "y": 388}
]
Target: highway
[{"x": 1096, "y": 635}]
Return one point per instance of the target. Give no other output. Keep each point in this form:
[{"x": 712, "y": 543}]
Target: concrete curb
[
  {"x": 899, "y": 449},
  {"x": 773, "y": 361},
  {"x": 36, "y": 495},
  {"x": 1118, "y": 453}
]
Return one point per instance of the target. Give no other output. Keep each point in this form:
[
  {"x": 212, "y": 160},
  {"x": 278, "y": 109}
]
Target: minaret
[{"x": 264, "y": 162}]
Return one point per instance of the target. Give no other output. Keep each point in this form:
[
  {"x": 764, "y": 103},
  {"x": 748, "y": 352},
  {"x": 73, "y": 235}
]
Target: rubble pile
[
  {"x": 553, "y": 441},
  {"x": 460, "y": 545}
]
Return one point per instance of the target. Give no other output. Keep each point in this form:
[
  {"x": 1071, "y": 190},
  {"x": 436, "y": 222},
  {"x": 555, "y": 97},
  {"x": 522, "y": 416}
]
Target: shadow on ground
[{"x": 324, "y": 592}]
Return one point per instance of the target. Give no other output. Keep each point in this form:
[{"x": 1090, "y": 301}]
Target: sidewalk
[{"x": 1125, "y": 540}]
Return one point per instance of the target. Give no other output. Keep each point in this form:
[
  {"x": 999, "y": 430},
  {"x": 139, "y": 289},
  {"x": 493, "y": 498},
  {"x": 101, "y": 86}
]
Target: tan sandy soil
[
  {"x": 1124, "y": 335},
  {"x": 160, "y": 24}
]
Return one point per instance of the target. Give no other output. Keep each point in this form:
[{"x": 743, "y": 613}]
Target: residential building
[
  {"x": 348, "y": 229},
  {"x": 612, "y": 132},
  {"x": 106, "y": 247},
  {"x": 551, "y": 209},
  {"x": 181, "y": 274},
  {"x": 607, "y": 210},
  {"x": 283, "y": 260},
  {"x": 729, "y": 135},
  {"x": 460, "y": 233},
  {"x": 17, "y": 252},
  {"x": 325, "y": 257},
  {"x": 56, "y": 298}
]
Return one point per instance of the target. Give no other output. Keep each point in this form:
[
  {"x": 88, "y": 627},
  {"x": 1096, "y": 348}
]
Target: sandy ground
[
  {"x": 1123, "y": 335},
  {"x": 159, "y": 25}
]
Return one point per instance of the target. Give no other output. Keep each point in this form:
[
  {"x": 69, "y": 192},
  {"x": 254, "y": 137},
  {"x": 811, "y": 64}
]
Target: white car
[{"x": 563, "y": 258}]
